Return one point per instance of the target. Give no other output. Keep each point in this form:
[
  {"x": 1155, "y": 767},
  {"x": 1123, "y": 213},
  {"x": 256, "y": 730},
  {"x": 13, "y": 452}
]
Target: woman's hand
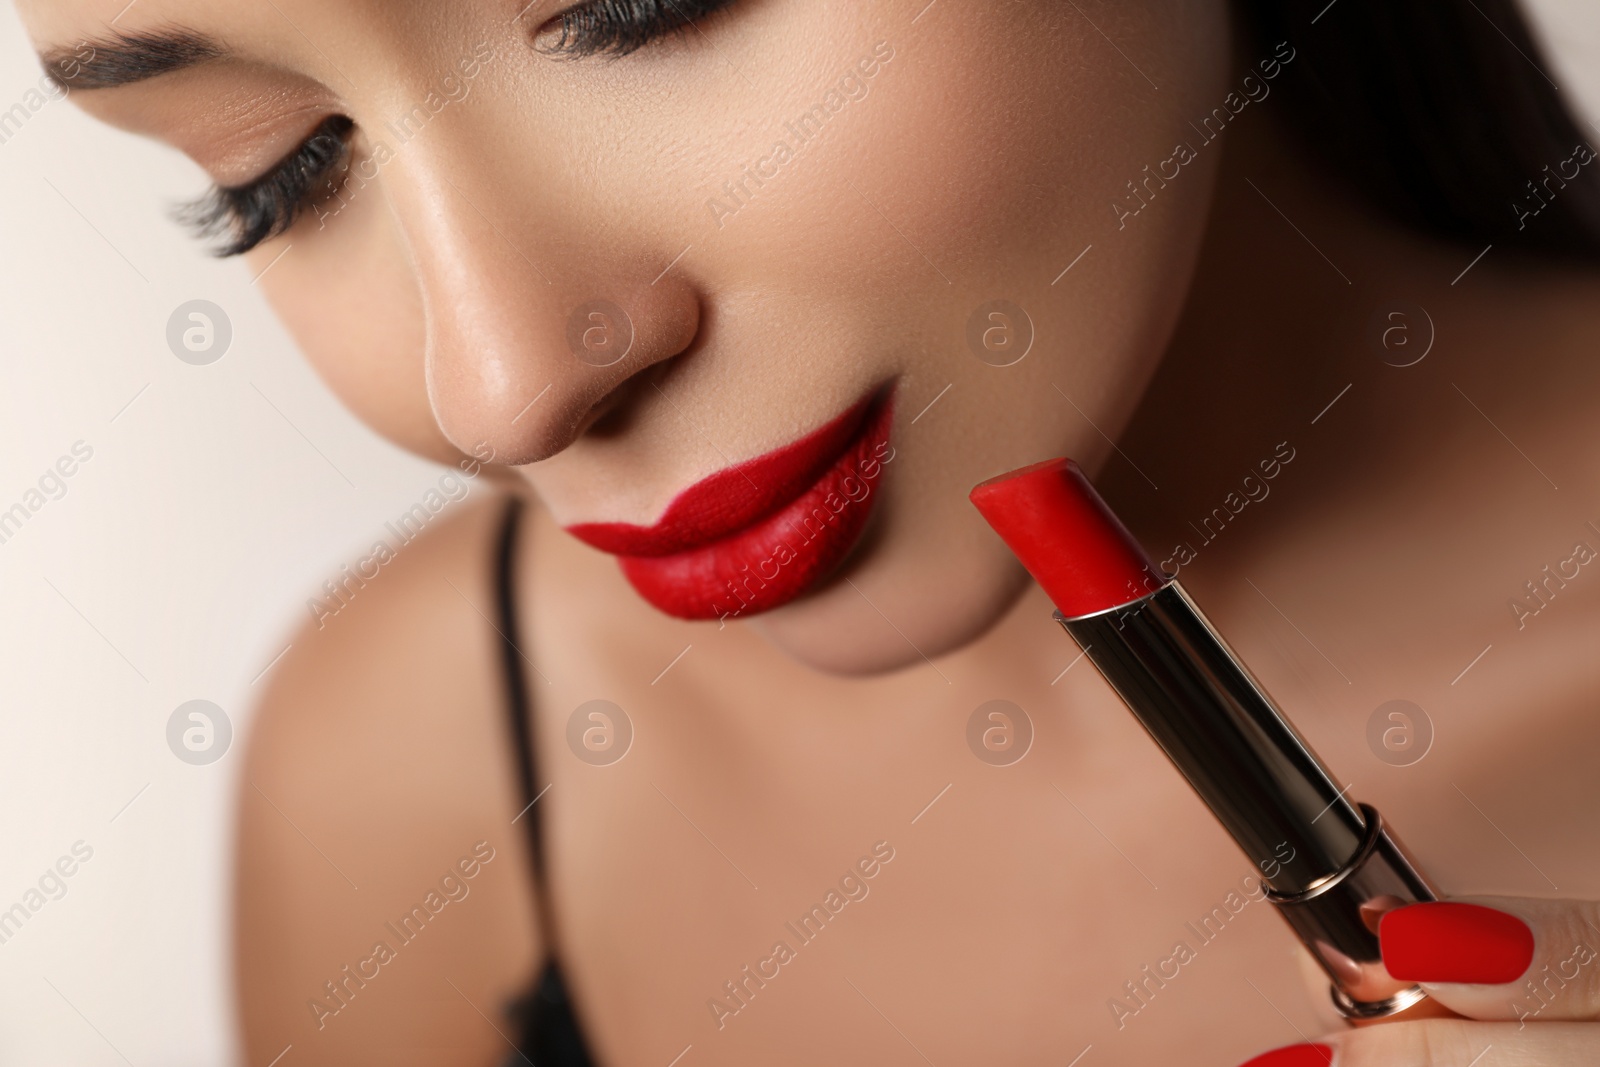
[{"x": 1524, "y": 973}]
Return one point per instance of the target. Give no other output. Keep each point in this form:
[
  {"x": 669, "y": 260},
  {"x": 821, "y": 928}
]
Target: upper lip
[{"x": 734, "y": 497}]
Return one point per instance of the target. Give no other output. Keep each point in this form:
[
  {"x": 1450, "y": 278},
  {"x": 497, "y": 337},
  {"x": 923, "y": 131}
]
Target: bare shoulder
[{"x": 382, "y": 900}]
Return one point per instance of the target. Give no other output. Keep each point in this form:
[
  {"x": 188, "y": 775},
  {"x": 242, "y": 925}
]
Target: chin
[{"x": 890, "y": 616}]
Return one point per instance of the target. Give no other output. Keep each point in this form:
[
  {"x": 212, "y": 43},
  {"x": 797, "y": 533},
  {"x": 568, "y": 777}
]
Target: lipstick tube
[{"x": 1330, "y": 865}]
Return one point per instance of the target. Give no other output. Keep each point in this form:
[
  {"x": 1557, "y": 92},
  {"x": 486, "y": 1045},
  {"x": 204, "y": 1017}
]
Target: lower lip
[
  {"x": 1322, "y": 856},
  {"x": 783, "y": 555}
]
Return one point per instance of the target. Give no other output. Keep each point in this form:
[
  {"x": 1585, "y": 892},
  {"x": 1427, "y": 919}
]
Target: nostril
[
  {"x": 530, "y": 371},
  {"x": 617, "y": 413},
  {"x": 643, "y": 340}
]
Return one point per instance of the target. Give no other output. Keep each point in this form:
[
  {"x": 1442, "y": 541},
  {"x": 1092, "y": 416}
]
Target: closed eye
[
  {"x": 618, "y": 27},
  {"x": 245, "y": 215}
]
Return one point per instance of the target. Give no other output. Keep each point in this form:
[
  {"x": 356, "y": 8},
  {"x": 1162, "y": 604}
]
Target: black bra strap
[
  {"x": 544, "y": 1017},
  {"x": 518, "y": 706}
]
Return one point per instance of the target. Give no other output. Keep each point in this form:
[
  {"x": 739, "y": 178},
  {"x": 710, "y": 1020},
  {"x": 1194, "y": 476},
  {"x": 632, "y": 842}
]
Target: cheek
[
  {"x": 1005, "y": 140},
  {"x": 987, "y": 154},
  {"x": 1003, "y": 116},
  {"x": 349, "y": 298},
  {"x": 1008, "y": 133}
]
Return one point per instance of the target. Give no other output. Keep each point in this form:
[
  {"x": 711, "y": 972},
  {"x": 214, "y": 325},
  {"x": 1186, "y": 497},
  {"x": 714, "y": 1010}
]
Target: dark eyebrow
[{"x": 125, "y": 58}]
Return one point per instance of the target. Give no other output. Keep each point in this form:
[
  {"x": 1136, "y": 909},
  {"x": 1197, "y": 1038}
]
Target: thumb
[{"x": 1514, "y": 958}]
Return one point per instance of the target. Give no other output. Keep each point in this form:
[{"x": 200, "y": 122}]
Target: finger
[
  {"x": 1315, "y": 978},
  {"x": 1500, "y": 957},
  {"x": 1446, "y": 1043}
]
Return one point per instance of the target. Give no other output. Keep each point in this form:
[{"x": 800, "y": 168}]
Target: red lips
[{"x": 760, "y": 533}]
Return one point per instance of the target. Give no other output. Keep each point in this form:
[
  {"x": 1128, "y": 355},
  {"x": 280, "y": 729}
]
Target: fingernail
[
  {"x": 1444, "y": 941},
  {"x": 1294, "y": 1056}
]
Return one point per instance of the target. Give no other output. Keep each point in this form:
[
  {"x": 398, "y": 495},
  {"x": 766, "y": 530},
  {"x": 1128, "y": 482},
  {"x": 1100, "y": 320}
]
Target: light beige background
[{"x": 218, "y": 498}]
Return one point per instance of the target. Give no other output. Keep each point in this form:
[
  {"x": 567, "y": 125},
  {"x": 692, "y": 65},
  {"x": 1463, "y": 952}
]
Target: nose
[{"x": 535, "y": 316}]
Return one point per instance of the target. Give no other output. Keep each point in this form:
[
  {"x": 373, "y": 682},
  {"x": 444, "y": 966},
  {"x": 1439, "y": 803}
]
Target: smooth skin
[{"x": 1199, "y": 336}]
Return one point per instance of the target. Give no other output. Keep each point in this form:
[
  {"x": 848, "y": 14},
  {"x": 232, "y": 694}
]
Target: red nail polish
[
  {"x": 1294, "y": 1056},
  {"x": 1448, "y": 942}
]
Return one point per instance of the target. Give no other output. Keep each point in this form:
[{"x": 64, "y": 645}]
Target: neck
[{"x": 1423, "y": 495}]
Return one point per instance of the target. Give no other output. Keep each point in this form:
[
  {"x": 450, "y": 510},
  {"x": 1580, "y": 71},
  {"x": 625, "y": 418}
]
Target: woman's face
[{"x": 619, "y": 275}]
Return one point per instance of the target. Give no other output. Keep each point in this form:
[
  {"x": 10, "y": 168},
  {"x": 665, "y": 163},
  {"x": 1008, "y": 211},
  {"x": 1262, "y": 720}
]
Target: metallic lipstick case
[{"x": 1330, "y": 865}]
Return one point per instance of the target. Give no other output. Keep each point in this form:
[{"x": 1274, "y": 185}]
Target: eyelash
[
  {"x": 618, "y": 27},
  {"x": 246, "y": 215},
  {"x": 266, "y": 207}
]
